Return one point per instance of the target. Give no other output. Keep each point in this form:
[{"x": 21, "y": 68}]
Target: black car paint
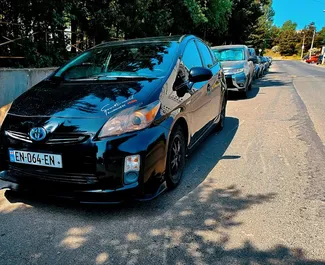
[{"x": 82, "y": 108}]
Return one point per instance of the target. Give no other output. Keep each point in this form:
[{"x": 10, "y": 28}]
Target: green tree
[
  {"x": 260, "y": 36},
  {"x": 274, "y": 36},
  {"x": 288, "y": 38},
  {"x": 41, "y": 25},
  {"x": 244, "y": 16},
  {"x": 38, "y": 27},
  {"x": 320, "y": 38},
  {"x": 289, "y": 25}
]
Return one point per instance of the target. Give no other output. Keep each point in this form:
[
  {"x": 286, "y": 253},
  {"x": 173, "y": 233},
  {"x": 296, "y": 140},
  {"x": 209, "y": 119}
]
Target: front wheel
[
  {"x": 250, "y": 86},
  {"x": 243, "y": 94},
  {"x": 176, "y": 156}
]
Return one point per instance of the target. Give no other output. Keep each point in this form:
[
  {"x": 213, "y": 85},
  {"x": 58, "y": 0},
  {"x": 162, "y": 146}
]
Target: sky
[{"x": 300, "y": 11}]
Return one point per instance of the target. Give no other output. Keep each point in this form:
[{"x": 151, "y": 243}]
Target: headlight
[
  {"x": 234, "y": 71},
  {"x": 3, "y": 112},
  {"x": 131, "y": 119},
  {"x": 237, "y": 71}
]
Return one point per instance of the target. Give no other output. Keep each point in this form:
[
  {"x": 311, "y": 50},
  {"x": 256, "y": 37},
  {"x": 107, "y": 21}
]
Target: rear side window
[
  {"x": 206, "y": 55},
  {"x": 191, "y": 57},
  {"x": 252, "y": 52}
]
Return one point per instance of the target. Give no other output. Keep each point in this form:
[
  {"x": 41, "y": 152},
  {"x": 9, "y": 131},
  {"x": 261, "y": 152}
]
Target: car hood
[
  {"x": 233, "y": 64},
  {"x": 83, "y": 99}
]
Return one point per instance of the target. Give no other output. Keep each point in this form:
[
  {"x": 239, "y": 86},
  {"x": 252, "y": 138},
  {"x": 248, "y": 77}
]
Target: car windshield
[
  {"x": 229, "y": 54},
  {"x": 142, "y": 60}
]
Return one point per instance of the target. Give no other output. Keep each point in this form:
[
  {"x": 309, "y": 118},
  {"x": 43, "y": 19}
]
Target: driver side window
[{"x": 191, "y": 58}]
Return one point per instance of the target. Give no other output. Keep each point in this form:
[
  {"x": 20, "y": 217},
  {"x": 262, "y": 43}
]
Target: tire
[
  {"x": 250, "y": 86},
  {"x": 176, "y": 155},
  {"x": 243, "y": 94},
  {"x": 221, "y": 122}
]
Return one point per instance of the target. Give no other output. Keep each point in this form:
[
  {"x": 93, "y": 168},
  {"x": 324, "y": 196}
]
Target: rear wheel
[
  {"x": 176, "y": 156},
  {"x": 221, "y": 122}
]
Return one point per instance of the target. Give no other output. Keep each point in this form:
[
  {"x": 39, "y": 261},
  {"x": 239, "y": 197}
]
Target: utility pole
[
  {"x": 303, "y": 47},
  {"x": 312, "y": 43},
  {"x": 323, "y": 51}
]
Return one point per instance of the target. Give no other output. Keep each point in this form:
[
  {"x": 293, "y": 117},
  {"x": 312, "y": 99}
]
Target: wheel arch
[{"x": 181, "y": 122}]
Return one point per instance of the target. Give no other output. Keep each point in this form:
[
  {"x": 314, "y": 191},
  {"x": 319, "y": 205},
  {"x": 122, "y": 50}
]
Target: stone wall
[{"x": 14, "y": 82}]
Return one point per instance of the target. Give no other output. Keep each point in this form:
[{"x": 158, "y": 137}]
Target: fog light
[
  {"x": 131, "y": 169},
  {"x": 130, "y": 177}
]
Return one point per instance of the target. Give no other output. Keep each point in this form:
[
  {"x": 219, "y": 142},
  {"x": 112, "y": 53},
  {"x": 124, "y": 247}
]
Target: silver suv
[{"x": 238, "y": 66}]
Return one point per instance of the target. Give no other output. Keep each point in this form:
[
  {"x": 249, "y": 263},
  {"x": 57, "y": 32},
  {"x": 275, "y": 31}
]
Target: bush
[
  {"x": 275, "y": 49},
  {"x": 315, "y": 51}
]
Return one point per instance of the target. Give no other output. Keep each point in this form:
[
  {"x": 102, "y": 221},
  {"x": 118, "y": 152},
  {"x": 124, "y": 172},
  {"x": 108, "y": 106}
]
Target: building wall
[{"x": 14, "y": 82}]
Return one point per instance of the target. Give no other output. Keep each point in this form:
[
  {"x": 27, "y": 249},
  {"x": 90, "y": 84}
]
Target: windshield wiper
[
  {"x": 116, "y": 77},
  {"x": 112, "y": 78},
  {"x": 83, "y": 79}
]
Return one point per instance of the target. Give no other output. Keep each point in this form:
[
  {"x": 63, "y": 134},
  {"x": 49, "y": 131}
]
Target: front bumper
[
  {"x": 236, "y": 82},
  {"x": 92, "y": 170},
  {"x": 83, "y": 196}
]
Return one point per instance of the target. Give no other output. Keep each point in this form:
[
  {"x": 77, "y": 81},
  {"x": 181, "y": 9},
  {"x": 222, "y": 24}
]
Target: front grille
[
  {"x": 229, "y": 82},
  {"x": 66, "y": 138},
  {"x": 19, "y": 136},
  {"x": 56, "y": 138},
  {"x": 77, "y": 178}
]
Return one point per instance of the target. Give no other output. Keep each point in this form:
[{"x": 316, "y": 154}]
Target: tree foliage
[
  {"x": 244, "y": 18},
  {"x": 288, "y": 38},
  {"x": 260, "y": 36},
  {"x": 41, "y": 26}
]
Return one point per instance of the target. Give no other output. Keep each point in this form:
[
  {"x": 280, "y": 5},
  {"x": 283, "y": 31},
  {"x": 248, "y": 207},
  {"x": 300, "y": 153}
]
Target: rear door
[{"x": 214, "y": 85}]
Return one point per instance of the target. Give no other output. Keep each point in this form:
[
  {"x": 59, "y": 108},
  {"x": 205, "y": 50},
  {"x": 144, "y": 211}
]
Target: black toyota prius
[{"x": 116, "y": 122}]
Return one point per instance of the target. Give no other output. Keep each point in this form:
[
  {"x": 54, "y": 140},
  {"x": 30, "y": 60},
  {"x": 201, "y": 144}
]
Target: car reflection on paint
[{"x": 116, "y": 122}]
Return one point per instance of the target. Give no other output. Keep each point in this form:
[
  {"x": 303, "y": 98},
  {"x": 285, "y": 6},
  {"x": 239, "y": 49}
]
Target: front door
[{"x": 198, "y": 113}]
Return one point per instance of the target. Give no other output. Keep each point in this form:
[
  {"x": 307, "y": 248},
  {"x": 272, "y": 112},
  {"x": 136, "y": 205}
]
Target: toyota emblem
[{"x": 37, "y": 134}]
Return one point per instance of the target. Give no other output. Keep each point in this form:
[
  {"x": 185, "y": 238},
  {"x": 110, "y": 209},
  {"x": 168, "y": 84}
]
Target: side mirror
[{"x": 199, "y": 74}]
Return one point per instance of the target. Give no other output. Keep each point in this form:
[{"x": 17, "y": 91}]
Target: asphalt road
[{"x": 253, "y": 194}]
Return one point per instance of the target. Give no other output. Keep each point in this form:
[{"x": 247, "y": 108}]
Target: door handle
[{"x": 208, "y": 89}]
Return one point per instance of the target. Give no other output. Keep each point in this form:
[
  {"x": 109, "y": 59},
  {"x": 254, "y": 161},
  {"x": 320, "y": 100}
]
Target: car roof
[
  {"x": 230, "y": 47},
  {"x": 174, "y": 38}
]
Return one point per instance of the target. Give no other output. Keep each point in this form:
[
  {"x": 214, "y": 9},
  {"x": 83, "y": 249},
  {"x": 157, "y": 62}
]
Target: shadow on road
[
  {"x": 273, "y": 83},
  {"x": 199, "y": 164},
  {"x": 234, "y": 96},
  {"x": 194, "y": 231},
  {"x": 275, "y": 73},
  {"x": 189, "y": 225}
]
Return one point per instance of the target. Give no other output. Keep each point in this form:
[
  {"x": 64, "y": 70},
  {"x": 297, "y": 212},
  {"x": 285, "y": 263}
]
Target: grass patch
[{"x": 277, "y": 56}]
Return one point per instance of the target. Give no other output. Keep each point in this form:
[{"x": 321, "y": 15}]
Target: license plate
[{"x": 37, "y": 159}]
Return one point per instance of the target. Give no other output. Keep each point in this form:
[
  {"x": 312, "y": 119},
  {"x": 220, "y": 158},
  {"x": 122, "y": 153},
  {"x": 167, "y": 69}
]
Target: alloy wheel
[{"x": 176, "y": 159}]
